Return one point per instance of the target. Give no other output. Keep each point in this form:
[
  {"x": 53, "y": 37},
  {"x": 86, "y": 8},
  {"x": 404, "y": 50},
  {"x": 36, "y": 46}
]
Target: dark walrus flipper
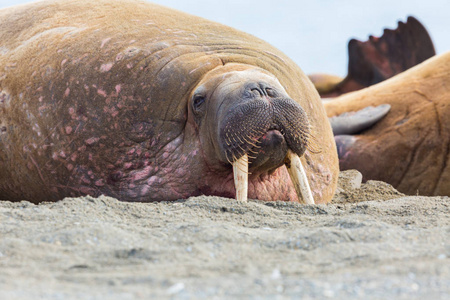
[{"x": 378, "y": 59}]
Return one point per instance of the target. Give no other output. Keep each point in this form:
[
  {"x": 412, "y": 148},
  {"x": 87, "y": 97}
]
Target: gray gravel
[{"x": 217, "y": 248}]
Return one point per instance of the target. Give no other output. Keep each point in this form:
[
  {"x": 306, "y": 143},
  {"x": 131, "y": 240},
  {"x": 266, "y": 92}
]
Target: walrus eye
[{"x": 197, "y": 101}]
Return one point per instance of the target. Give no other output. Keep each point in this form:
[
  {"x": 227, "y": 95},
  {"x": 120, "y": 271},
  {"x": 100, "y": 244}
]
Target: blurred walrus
[
  {"x": 410, "y": 147},
  {"x": 378, "y": 59}
]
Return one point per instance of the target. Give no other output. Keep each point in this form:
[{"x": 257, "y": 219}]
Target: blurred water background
[{"x": 315, "y": 33}]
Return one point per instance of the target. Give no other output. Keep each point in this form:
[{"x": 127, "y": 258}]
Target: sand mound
[{"x": 206, "y": 247}]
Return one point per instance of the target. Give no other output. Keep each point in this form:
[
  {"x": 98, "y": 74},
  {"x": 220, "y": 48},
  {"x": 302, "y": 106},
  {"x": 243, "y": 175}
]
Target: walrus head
[{"x": 246, "y": 119}]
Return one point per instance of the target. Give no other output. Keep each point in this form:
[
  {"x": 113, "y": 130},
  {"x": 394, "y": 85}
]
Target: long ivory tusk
[
  {"x": 298, "y": 177},
  {"x": 240, "y": 172}
]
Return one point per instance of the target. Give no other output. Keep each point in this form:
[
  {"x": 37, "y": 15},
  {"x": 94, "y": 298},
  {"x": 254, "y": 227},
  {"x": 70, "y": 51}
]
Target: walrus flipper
[
  {"x": 395, "y": 51},
  {"x": 380, "y": 58},
  {"x": 356, "y": 122}
]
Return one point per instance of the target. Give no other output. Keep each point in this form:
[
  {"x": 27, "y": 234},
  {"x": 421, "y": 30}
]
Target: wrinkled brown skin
[
  {"x": 410, "y": 147},
  {"x": 95, "y": 98},
  {"x": 378, "y": 59}
]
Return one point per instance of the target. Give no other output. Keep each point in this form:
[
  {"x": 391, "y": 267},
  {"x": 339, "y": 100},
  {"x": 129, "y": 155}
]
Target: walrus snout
[
  {"x": 265, "y": 130},
  {"x": 256, "y": 126}
]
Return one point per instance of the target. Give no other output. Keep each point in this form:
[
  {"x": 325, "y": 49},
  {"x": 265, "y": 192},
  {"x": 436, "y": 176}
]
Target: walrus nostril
[
  {"x": 270, "y": 92},
  {"x": 261, "y": 89},
  {"x": 257, "y": 92}
]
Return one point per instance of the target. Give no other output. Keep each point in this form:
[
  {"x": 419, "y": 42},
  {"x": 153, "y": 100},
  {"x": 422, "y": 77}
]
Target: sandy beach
[{"x": 372, "y": 242}]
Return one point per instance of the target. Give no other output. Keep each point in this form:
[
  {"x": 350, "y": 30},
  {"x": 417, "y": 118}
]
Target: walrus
[
  {"x": 144, "y": 103},
  {"x": 379, "y": 58},
  {"x": 410, "y": 147}
]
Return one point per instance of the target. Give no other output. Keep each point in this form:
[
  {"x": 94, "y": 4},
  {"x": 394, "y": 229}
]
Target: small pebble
[
  {"x": 350, "y": 179},
  {"x": 276, "y": 274},
  {"x": 176, "y": 288}
]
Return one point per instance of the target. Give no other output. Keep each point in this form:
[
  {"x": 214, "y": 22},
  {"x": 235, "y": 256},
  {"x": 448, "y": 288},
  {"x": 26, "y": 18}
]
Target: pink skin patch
[
  {"x": 119, "y": 57},
  {"x": 67, "y": 92},
  {"x": 68, "y": 130},
  {"x": 152, "y": 180},
  {"x": 85, "y": 180},
  {"x": 145, "y": 190},
  {"x": 92, "y": 140},
  {"x": 118, "y": 87},
  {"x": 86, "y": 190},
  {"x": 142, "y": 174},
  {"x": 106, "y": 67},
  {"x": 101, "y": 92},
  {"x": 100, "y": 182}
]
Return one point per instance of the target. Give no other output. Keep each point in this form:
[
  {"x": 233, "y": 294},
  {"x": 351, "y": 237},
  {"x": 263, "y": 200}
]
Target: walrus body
[
  {"x": 410, "y": 147},
  {"x": 114, "y": 98}
]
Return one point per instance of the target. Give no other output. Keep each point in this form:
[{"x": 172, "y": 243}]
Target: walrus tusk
[
  {"x": 298, "y": 177},
  {"x": 240, "y": 172}
]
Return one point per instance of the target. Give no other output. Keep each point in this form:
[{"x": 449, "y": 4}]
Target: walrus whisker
[
  {"x": 228, "y": 140},
  {"x": 241, "y": 148},
  {"x": 313, "y": 145},
  {"x": 252, "y": 151},
  {"x": 226, "y": 156},
  {"x": 245, "y": 139},
  {"x": 240, "y": 140},
  {"x": 252, "y": 157},
  {"x": 256, "y": 146},
  {"x": 258, "y": 141},
  {"x": 251, "y": 143},
  {"x": 260, "y": 132}
]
